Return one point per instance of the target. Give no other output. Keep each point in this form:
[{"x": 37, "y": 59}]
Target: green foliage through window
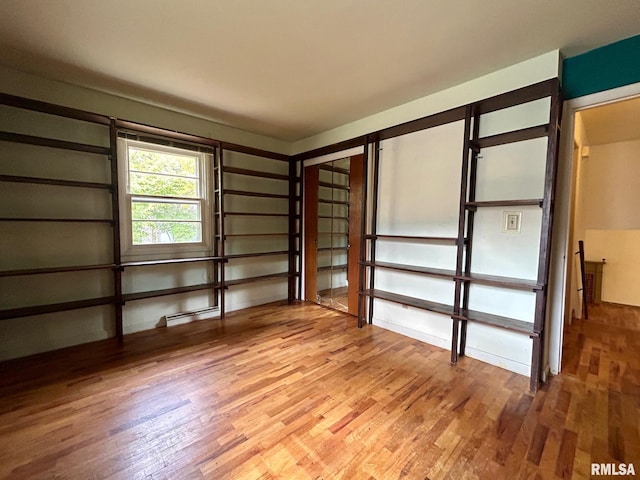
[{"x": 166, "y": 203}]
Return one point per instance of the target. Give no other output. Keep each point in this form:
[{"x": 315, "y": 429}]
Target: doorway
[
  {"x": 333, "y": 226},
  {"x": 603, "y": 213}
]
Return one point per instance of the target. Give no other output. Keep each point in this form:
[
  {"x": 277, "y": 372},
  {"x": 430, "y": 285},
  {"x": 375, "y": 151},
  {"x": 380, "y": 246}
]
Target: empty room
[{"x": 343, "y": 239}]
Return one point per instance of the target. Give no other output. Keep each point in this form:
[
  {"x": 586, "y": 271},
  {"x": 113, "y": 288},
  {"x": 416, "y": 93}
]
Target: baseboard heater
[{"x": 185, "y": 317}]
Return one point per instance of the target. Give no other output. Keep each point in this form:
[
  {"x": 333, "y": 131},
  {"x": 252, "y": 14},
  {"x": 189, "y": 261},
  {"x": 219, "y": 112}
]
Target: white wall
[
  {"x": 621, "y": 273},
  {"x": 611, "y": 186},
  {"x": 610, "y": 217},
  {"x": 419, "y": 195}
]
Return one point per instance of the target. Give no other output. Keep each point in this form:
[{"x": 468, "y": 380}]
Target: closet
[{"x": 333, "y": 205}]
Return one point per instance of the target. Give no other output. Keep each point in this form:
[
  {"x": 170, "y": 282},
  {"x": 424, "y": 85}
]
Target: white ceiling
[{"x": 292, "y": 68}]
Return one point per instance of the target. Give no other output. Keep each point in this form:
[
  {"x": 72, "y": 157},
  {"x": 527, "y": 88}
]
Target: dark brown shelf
[
  {"x": 256, "y": 152},
  {"x": 53, "y": 143},
  {"x": 52, "y": 109},
  {"x": 434, "y": 272},
  {"x": 144, "y": 263},
  {"x": 410, "y": 301},
  {"x": 252, "y": 214},
  {"x": 331, "y": 185},
  {"x": 259, "y": 254},
  {"x": 327, "y": 268},
  {"x": 506, "y": 203},
  {"x": 413, "y": 238},
  {"x": 53, "y": 181},
  {"x": 168, "y": 291},
  {"x": 333, "y": 168},
  {"x": 332, "y": 202},
  {"x": 514, "y": 136},
  {"x": 255, "y": 173},
  {"x": 284, "y": 234},
  {"x": 245, "y": 193},
  {"x": 261, "y": 278},
  {"x": 147, "y": 132},
  {"x": 54, "y": 307},
  {"x": 506, "y": 282},
  {"x": 45, "y": 270},
  {"x": 63, "y": 220},
  {"x": 497, "y": 321},
  {"x": 327, "y": 249}
]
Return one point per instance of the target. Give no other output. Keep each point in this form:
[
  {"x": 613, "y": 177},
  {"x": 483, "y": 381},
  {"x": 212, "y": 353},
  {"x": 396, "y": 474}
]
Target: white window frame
[{"x": 130, "y": 251}]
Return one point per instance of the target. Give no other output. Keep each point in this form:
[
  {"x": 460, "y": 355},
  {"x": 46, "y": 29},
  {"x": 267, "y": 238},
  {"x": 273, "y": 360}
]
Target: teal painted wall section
[{"x": 604, "y": 68}]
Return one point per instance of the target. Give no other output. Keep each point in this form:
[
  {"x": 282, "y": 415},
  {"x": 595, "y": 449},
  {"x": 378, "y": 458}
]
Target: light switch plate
[{"x": 511, "y": 222}]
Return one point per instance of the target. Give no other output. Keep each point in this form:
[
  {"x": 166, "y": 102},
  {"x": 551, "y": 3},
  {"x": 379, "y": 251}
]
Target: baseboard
[
  {"x": 181, "y": 318},
  {"x": 498, "y": 361},
  {"x": 483, "y": 356},
  {"x": 412, "y": 333}
]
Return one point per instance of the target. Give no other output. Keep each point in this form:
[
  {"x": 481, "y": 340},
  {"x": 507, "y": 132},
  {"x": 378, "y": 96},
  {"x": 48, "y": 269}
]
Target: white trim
[
  {"x": 334, "y": 156},
  {"x": 483, "y": 356},
  {"x": 564, "y": 193},
  {"x": 139, "y": 252},
  {"x": 440, "y": 342}
]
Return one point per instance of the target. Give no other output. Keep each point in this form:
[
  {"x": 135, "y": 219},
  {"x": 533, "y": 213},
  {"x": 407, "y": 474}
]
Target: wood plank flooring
[{"x": 297, "y": 392}]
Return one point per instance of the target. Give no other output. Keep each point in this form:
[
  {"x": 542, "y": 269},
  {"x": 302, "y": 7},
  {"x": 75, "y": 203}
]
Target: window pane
[
  {"x": 151, "y": 232},
  {"x": 145, "y": 210},
  {"x": 161, "y": 162},
  {"x": 164, "y": 192},
  {"x": 163, "y": 185}
]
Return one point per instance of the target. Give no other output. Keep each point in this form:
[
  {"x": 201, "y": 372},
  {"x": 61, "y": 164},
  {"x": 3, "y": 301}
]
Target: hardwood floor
[{"x": 299, "y": 392}]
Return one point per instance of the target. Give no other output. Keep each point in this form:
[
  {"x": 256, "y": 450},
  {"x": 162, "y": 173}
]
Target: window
[{"x": 165, "y": 193}]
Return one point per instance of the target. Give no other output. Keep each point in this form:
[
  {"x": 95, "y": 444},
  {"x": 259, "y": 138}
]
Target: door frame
[
  {"x": 307, "y": 262},
  {"x": 562, "y": 251}
]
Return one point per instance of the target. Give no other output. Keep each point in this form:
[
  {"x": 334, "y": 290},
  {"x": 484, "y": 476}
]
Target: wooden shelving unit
[
  {"x": 410, "y": 301},
  {"x": 101, "y": 152},
  {"x": 288, "y": 192},
  {"x": 504, "y": 203},
  {"x": 429, "y": 271},
  {"x": 463, "y": 276},
  {"x": 55, "y": 307},
  {"x": 496, "y": 321},
  {"x": 291, "y": 193},
  {"x": 47, "y": 270}
]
